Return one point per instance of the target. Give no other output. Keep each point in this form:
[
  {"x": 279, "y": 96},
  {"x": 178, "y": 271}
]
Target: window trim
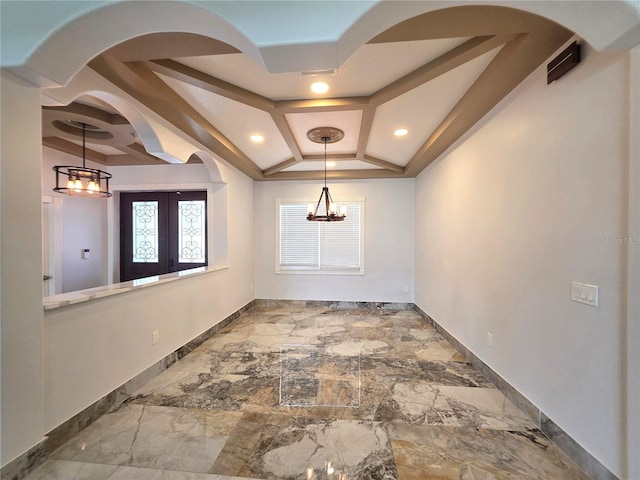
[{"x": 279, "y": 270}]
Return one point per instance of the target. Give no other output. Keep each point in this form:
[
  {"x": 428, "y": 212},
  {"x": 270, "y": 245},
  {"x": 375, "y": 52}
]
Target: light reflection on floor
[{"x": 378, "y": 393}]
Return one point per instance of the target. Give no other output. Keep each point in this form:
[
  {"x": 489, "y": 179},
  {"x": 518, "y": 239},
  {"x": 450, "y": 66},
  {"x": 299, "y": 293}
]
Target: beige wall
[
  {"x": 533, "y": 200},
  {"x": 21, "y": 270},
  {"x": 111, "y": 337},
  {"x": 388, "y": 243},
  {"x": 83, "y": 224}
]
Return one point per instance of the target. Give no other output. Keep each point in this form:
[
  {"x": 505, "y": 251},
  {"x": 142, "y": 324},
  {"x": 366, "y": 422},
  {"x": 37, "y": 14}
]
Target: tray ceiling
[{"x": 435, "y": 75}]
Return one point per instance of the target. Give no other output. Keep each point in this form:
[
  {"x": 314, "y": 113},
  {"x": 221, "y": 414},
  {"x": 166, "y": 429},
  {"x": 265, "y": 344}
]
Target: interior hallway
[{"x": 401, "y": 404}]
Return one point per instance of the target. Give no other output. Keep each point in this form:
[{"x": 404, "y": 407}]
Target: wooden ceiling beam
[
  {"x": 515, "y": 61},
  {"x": 334, "y": 175},
  {"x": 320, "y": 105},
  {"x": 150, "y": 90},
  {"x": 196, "y": 78},
  {"x": 368, "y": 113},
  {"x": 383, "y": 163},
  {"x": 136, "y": 150},
  {"x": 452, "y": 59},
  {"x": 287, "y": 134},
  {"x": 279, "y": 167},
  {"x": 330, "y": 156},
  {"x": 65, "y": 146}
]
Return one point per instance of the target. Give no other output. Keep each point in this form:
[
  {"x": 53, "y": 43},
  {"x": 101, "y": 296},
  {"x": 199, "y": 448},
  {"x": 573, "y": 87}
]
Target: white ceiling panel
[
  {"x": 240, "y": 70},
  {"x": 420, "y": 111},
  {"x": 348, "y": 122},
  {"x": 374, "y": 66},
  {"x": 369, "y": 69},
  {"x": 313, "y": 166},
  {"x": 237, "y": 122}
]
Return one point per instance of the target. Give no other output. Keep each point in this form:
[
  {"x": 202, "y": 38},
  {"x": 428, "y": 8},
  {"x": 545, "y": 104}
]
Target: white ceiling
[
  {"x": 371, "y": 68},
  {"x": 434, "y": 75}
]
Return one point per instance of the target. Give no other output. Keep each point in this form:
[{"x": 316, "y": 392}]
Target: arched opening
[
  {"x": 91, "y": 227},
  {"x": 22, "y": 313}
]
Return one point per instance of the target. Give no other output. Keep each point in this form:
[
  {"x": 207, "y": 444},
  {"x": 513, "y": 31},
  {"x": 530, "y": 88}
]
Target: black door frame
[{"x": 168, "y": 254}]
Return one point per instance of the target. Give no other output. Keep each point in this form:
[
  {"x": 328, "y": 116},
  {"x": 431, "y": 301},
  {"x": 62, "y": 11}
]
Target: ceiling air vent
[{"x": 568, "y": 58}]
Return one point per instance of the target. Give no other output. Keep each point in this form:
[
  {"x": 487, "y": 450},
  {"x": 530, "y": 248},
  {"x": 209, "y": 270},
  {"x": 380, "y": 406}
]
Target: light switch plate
[{"x": 584, "y": 293}]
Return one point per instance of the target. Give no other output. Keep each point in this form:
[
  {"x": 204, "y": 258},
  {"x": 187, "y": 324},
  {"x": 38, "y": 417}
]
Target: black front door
[{"x": 162, "y": 232}]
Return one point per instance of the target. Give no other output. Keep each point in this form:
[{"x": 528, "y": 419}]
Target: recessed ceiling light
[
  {"x": 257, "y": 138},
  {"x": 319, "y": 87},
  {"x": 331, "y": 164},
  {"x": 401, "y": 132}
]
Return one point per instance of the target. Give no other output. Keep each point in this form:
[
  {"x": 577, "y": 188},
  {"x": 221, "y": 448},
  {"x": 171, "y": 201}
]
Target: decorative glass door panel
[
  {"x": 144, "y": 217},
  {"x": 162, "y": 232},
  {"x": 191, "y": 231}
]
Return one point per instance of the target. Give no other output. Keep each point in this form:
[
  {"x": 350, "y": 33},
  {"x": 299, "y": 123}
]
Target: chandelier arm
[
  {"x": 318, "y": 204},
  {"x": 327, "y": 203}
]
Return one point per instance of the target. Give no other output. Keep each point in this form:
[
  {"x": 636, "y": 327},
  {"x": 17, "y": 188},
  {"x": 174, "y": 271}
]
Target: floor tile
[
  {"x": 157, "y": 437},
  {"x": 461, "y": 453},
  {"x": 423, "y": 403},
  {"x": 423, "y": 412},
  {"x": 136, "y": 473},
  {"x": 284, "y": 447},
  {"x": 62, "y": 470}
]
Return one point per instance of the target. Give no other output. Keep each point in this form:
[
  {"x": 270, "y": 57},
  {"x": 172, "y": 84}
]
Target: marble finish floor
[{"x": 384, "y": 397}]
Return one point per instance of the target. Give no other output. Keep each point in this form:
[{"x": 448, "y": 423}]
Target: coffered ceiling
[{"x": 435, "y": 75}]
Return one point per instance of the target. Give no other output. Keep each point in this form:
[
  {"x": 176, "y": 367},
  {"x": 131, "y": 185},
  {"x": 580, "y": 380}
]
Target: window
[
  {"x": 162, "y": 232},
  {"x": 318, "y": 247}
]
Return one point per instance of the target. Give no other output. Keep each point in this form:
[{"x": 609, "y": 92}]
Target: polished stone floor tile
[
  {"x": 461, "y": 453},
  {"x": 156, "y": 437},
  {"x": 374, "y": 394},
  {"x": 135, "y": 473},
  {"x": 287, "y": 447},
  {"x": 391, "y": 370},
  {"x": 59, "y": 470},
  {"x": 64, "y": 470},
  {"x": 424, "y": 403}
]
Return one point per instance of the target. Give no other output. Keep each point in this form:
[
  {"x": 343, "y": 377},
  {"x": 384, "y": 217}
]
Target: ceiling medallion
[
  {"x": 325, "y": 135},
  {"x": 318, "y": 134}
]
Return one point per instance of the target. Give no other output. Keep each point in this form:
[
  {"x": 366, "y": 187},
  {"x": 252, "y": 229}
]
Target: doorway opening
[{"x": 162, "y": 232}]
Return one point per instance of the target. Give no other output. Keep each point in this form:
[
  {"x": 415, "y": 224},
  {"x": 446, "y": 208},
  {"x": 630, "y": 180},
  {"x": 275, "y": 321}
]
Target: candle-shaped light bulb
[
  {"x": 78, "y": 185},
  {"x": 70, "y": 183},
  {"x": 332, "y": 209},
  {"x": 343, "y": 210},
  {"x": 329, "y": 468},
  {"x": 311, "y": 208}
]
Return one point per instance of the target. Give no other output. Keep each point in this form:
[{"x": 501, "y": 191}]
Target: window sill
[
  {"x": 71, "y": 298},
  {"x": 319, "y": 272}
]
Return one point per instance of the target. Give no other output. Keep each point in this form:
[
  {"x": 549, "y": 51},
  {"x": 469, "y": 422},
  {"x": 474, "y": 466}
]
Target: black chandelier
[
  {"x": 82, "y": 181},
  {"x": 330, "y": 213}
]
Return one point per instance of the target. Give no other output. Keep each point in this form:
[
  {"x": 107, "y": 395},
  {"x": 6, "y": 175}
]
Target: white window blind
[
  {"x": 319, "y": 246},
  {"x": 298, "y": 237}
]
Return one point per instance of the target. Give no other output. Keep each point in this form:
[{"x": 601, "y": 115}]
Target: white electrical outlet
[
  {"x": 155, "y": 337},
  {"x": 490, "y": 339},
  {"x": 584, "y": 293}
]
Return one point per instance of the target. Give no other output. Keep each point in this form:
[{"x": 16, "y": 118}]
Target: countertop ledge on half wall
[{"x": 71, "y": 298}]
